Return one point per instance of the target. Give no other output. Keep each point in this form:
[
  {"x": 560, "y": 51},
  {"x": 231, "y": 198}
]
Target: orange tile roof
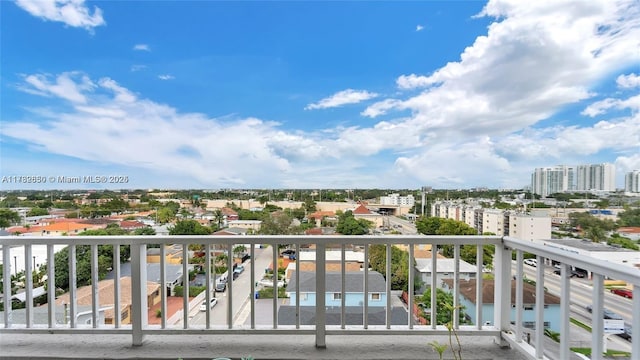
[
  {"x": 321, "y": 214},
  {"x": 67, "y": 226},
  {"x": 361, "y": 210}
]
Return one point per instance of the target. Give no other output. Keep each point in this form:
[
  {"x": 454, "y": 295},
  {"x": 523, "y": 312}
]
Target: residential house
[
  {"x": 106, "y": 298},
  {"x": 468, "y": 300},
  {"x": 173, "y": 254},
  {"x": 354, "y": 300},
  {"x": 361, "y": 212},
  {"x": 445, "y": 269}
]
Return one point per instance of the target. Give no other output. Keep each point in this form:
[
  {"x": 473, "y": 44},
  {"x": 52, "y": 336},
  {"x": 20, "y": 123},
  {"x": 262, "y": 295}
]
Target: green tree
[
  {"x": 83, "y": 264},
  {"x": 349, "y": 225},
  {"x": 399, "y": 265},
  {"x": 444, "y": 304},
  {"x": 8, "y": 218},
  {"x": 37, "y": 211},
  {"x": 629, "y": 217},
  {"x": 277, "y": 223},
  {"x": 189, "y": 227},
  {"x": 147, "y": 230}
]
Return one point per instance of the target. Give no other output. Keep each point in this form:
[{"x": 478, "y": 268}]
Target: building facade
[
  {"x": 596, "y": 177},
  {"x": 551, "y": 180},
  {"x": 632, "y": 182}
]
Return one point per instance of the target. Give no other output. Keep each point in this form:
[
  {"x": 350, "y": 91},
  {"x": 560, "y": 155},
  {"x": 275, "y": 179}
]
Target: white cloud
[
  {"x": 381, "y": 107},
  {"x": 68, "y": 86},
  {"x": 166, "y": 77},
  {"x": 419, "y": 27},
  {"x": 343, "y": 97},
  {"x": 413, "y": 81},
  {"x": 141, "y": 47},
  {"x": 628, "y": 81},
  {"x": 601, "y": 107},
  {"x": 71, "y": 12},
  {"x": 135, "y": 68}
]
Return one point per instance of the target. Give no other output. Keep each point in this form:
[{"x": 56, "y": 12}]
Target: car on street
[
  {"x": 623, "y": 292},
  {"x": 221, "y": 287},
  {"x": 239, "y": 269},
  {"x": 531, "y": 262},
  {"x": 212, "y": 303},
  {"x": 606, "y": 313},
  {"x": 574, "y": 273},
  {"x": 626, "y": 334}
]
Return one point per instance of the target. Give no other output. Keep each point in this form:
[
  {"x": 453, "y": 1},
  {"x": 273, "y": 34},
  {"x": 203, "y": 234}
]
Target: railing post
[
  {"x": 321, "y": 316},
  {"x": 565, "y": 312},
  {"x": 6, "y": 284},
  {"x": 597, "y": 321},
  {"x": 139, "y": 312},
  {"x": 502, "y": 291},
  {"x": 635, "y": 323},
  {"x": 540, "y": 307}
]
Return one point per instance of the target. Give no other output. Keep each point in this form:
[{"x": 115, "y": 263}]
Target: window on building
[
  {"x": 304, "y": 296},
  {"x": 337, "y": 296},
  {"x": 375, "y": 296}
]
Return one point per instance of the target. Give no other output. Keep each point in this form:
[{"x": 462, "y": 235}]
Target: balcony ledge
[{"x": 388, "y": 347}]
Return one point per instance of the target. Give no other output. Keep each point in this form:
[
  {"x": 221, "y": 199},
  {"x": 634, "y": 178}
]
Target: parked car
[
  {"x": 574, "y": 273},
  {"x": 212, "y": 303},
  {"x": 531, "y": 262},
  {"x": 606, "y": 313},
  {"x": 221, "y": 287},
  {"x": 288, "y": 253},
  {"x": 239, "y": 269},
  {"x": 623, "y": 292},
  {"x": 626, "y": 334}
]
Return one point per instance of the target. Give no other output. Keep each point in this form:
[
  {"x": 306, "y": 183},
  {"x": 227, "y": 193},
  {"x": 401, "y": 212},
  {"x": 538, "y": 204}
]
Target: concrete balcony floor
[{"x": 187, "y": 347}]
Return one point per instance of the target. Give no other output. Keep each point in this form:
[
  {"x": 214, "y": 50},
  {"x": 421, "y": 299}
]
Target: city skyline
[{"x": 315, "y": 95}]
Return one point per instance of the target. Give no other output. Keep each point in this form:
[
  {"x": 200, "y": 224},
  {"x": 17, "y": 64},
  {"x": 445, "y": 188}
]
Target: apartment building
[
  {"x": 534, "y": 225},
  {"x": 596, "y": 177},
  {"x": 551, "y": 180},
  {"x": 397, "y": 200},
  {"x": 632, "y": 182}
]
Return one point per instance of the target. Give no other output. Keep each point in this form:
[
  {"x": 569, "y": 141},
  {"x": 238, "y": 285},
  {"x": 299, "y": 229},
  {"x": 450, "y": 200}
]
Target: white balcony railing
[{"x": 502, "y": 331}]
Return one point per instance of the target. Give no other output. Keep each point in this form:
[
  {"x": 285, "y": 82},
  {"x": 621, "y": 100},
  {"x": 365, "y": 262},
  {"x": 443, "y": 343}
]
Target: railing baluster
[
  {"x": 297, "y": 286},
  {"x": 388, "y": 284},
  {"x": 342, "y": 287},
  {"x": 365, "y": 320},
  {"x": 321, "y": 287},
  {"x": 207, "y": 276},
  {"x": 95, "y": 302},
  {"x": 51, "y": 287},
  {"x": 434, "y": 276},
  {"x": 73, "y": 301},
  {"x": 565, "y": 311},
  {"x": 139, "y": 312},
  {"x": 410, "y": 289},
  {"x": 540, "y": 307},
  {"x": 456, "y": 287},
  {"x": 253, "y": 285},
  {"x": 635, "y": 322},
  {"x": 28, "y": 276},
  {"x": 117, "y": 313},
  {"x": 230, "y": 262},
  {"x": 185, "y": 286},
  {"x": 274, "y": 301},
  {"x": 6, "y": 284},
  {"x": 163, "y": 285},
  {"x": 479, "y": 285},
  {"x": 519, "y": 294},
  {"x": 597, "y": 321}
]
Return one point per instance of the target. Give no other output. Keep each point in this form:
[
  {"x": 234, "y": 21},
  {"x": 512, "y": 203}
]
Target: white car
[
  {"x": 212, "y": 303},
  {"x": 269, "y": 283},
  {"x": 531, "y": 262}
]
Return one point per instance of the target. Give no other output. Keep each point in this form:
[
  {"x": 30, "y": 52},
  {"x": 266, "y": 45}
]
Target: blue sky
[{"x": 212, "y": 94}]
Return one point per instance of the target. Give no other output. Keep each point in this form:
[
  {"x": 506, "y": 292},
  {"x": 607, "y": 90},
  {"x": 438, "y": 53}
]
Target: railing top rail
[
  {"x": 249, "y": 239},
  {"x": 599, "y": 266}
]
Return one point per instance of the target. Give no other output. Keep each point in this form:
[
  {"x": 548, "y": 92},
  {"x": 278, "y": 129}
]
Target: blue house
[
  {"x": 354, "y": 289},
  {"x": 353, "y": 297},
  {"x": 468, "y": 300}
]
